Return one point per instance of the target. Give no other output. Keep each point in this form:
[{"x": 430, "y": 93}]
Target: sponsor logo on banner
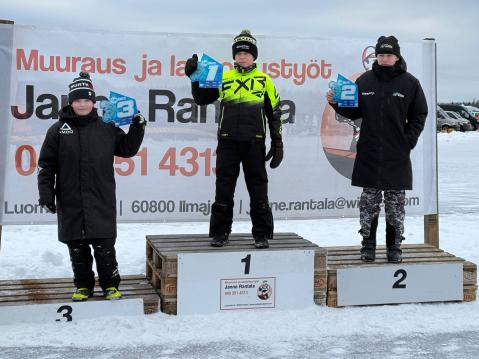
[
  {"x": 247, "y": 293},
  {"x": 340, "y": 149},
  {"x": 264, "y": 291},
  {"x": 368, "y": 57}
]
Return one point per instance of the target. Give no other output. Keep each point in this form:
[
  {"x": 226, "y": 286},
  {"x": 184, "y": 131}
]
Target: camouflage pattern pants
[{"x": 369, "y": 208}]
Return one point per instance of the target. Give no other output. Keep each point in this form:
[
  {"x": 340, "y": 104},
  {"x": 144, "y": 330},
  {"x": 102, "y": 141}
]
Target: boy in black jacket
[
  {"x": 394, "y": 109},
  {"x": 75, "y": 167}
]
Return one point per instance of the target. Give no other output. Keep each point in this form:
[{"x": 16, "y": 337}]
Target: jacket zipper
[
  {"x": 381, "y": 127},
  {"x": 263, "y": 120},
  {"x": 221, "y": 116}
]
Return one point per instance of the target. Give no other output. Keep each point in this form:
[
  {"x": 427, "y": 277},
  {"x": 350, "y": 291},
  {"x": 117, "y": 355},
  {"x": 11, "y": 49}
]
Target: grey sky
[{"x": 454, "y": 25}]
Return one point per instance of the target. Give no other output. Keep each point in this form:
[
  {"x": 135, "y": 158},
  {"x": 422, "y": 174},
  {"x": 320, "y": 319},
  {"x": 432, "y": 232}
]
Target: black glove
[
  {"x": 49, "y": 207},
  {"x": 275, "y": 152},
  {"x": 139, "y": 120},
  {"x": 191, "y": 65}
]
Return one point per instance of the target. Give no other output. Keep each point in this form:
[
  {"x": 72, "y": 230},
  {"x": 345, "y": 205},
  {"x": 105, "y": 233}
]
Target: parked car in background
[
  {"x": 465, "y": 124},
  {"x": 461, "y": 110},
  {"x": 474, "y": 111},
  {"x": 446, "y": 123}
]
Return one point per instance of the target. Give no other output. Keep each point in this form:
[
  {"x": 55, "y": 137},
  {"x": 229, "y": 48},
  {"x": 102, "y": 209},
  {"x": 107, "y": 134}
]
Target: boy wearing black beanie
[
  {"x": 248, "y": 100},
  {"x": 76, "y": 181},
  {"x": 393, "y": 109}
]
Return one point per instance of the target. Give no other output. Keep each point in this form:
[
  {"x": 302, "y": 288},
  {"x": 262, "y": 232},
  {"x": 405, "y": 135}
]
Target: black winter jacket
[
  {"x": 393, "y": 109},
  {"x": 76, "y": 167}
]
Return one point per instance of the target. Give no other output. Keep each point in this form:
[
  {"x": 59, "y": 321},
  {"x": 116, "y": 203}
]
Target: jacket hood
[{"x": 386, "y": 73}]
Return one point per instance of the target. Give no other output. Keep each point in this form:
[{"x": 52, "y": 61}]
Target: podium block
[
  {"x": 69, "y": 311},
  {"x": 437, "y": 269},
  {"x": 59, "y": 290},
  {"x": 162, "y": 260}
]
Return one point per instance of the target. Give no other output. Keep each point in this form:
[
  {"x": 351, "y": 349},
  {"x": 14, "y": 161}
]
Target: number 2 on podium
[{"x": 403, "y": 274}]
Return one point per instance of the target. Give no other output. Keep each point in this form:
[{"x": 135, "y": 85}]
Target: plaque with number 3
[{"x": 119, "y": 109}]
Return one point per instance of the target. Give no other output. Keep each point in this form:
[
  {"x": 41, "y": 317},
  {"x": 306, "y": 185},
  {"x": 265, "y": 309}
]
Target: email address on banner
[
  {"x": 327, "y": 204},
  {"x": 204, "y": 208}
]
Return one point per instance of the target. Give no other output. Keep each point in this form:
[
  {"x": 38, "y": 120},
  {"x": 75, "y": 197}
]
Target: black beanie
[
  {"x": 388, "y": 45},
  {"x": 245, "y": 42},
  {"x": 81, "y": 88}
]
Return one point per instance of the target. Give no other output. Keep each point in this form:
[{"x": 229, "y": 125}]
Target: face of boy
[
  {"x": 386, "y": 59},
  {"x": 244, "y": 59},
  {"x": 82, "y": 107}
]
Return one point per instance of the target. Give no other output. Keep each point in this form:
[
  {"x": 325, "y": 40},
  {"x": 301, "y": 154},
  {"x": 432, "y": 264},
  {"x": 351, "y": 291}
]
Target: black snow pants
[
  {"x": 82, "y": 261},
  {"x": 229, "y": 155}
]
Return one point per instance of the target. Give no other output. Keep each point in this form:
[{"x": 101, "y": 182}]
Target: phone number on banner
[{"x": 185, "y": 161}]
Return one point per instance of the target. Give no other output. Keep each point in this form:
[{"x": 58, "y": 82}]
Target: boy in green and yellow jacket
[{"x": 249, "y": 100}]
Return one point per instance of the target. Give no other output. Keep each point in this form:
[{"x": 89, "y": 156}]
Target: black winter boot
[
  {"x": 368, "y": 249},
  {"x": 262, "y": 219},
  {"x": 221, "y": 219},
  {"x": 393, "y": 244},
  {"x": 219, "y": 240},
  {"x": 261, "y": 242}
]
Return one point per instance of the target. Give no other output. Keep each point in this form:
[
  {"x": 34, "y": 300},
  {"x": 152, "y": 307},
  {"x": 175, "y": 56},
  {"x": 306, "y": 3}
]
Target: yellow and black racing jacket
[{"x": 248, "y": 99}]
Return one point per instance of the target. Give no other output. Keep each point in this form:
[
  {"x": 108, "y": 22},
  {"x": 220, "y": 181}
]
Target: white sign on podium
[
  {"x": 406, "y": 283},
  {"x": 222, "y": 281},
  {"x": 69, "y": 311}
]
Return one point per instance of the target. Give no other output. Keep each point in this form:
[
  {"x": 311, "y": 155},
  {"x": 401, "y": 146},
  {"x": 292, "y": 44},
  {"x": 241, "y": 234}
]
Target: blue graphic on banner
[
  {"x": 209, "y": 72},
  {"x": 119, "y": 109},
  {"x": 345, "y": 92}
]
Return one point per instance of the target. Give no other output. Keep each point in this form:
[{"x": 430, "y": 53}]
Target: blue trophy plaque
[
  {"x": 345, "y": 92},
  {"x": 119, "y": 109},
  {"x": 209, "y": 72}
]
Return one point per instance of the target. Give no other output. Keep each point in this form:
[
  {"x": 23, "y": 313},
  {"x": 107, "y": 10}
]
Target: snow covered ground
[{"x": 397, "y": 331}]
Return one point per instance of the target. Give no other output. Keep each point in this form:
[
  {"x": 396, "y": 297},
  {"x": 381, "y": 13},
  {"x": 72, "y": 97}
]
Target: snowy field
[{"x": 395, "y": 331}]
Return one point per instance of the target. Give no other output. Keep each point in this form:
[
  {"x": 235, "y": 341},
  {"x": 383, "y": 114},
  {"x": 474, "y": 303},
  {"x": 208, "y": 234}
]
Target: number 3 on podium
[{"x": 67, "y": 314}]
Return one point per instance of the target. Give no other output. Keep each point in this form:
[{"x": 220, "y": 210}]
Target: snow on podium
[
  {"x": 49, "y": 299},
  {"x": 192, "y": 277},
  {"x": 185, "y": 275}
]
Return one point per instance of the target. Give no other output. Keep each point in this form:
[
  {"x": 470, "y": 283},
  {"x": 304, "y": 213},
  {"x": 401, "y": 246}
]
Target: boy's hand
[
  {"x": 49, "y": 207},
  {"x": 330, "y": 97},
  {"x": 139, "y": 120},
  {"x": 276, "y": 153},
  {"x": 191, "y": 65}
]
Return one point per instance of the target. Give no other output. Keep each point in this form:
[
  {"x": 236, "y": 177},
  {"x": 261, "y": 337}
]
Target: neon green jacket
[{"x": 248, "y": 100}]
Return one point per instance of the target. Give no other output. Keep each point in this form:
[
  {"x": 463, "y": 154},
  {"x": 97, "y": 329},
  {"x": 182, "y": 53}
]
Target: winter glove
[
  {"x": 139, "y": 120},
  {"x": 275, "y": 152},
  {"x": 49, "y": 207},
  {"x": 191, "y": 65}
]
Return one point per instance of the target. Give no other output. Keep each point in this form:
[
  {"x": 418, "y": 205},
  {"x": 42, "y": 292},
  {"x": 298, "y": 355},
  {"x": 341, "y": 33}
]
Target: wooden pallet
[
  {"x": 162, "y": 260},
  {"x": 59, "y": 290},
  {"x": 348, "y": 256}
]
